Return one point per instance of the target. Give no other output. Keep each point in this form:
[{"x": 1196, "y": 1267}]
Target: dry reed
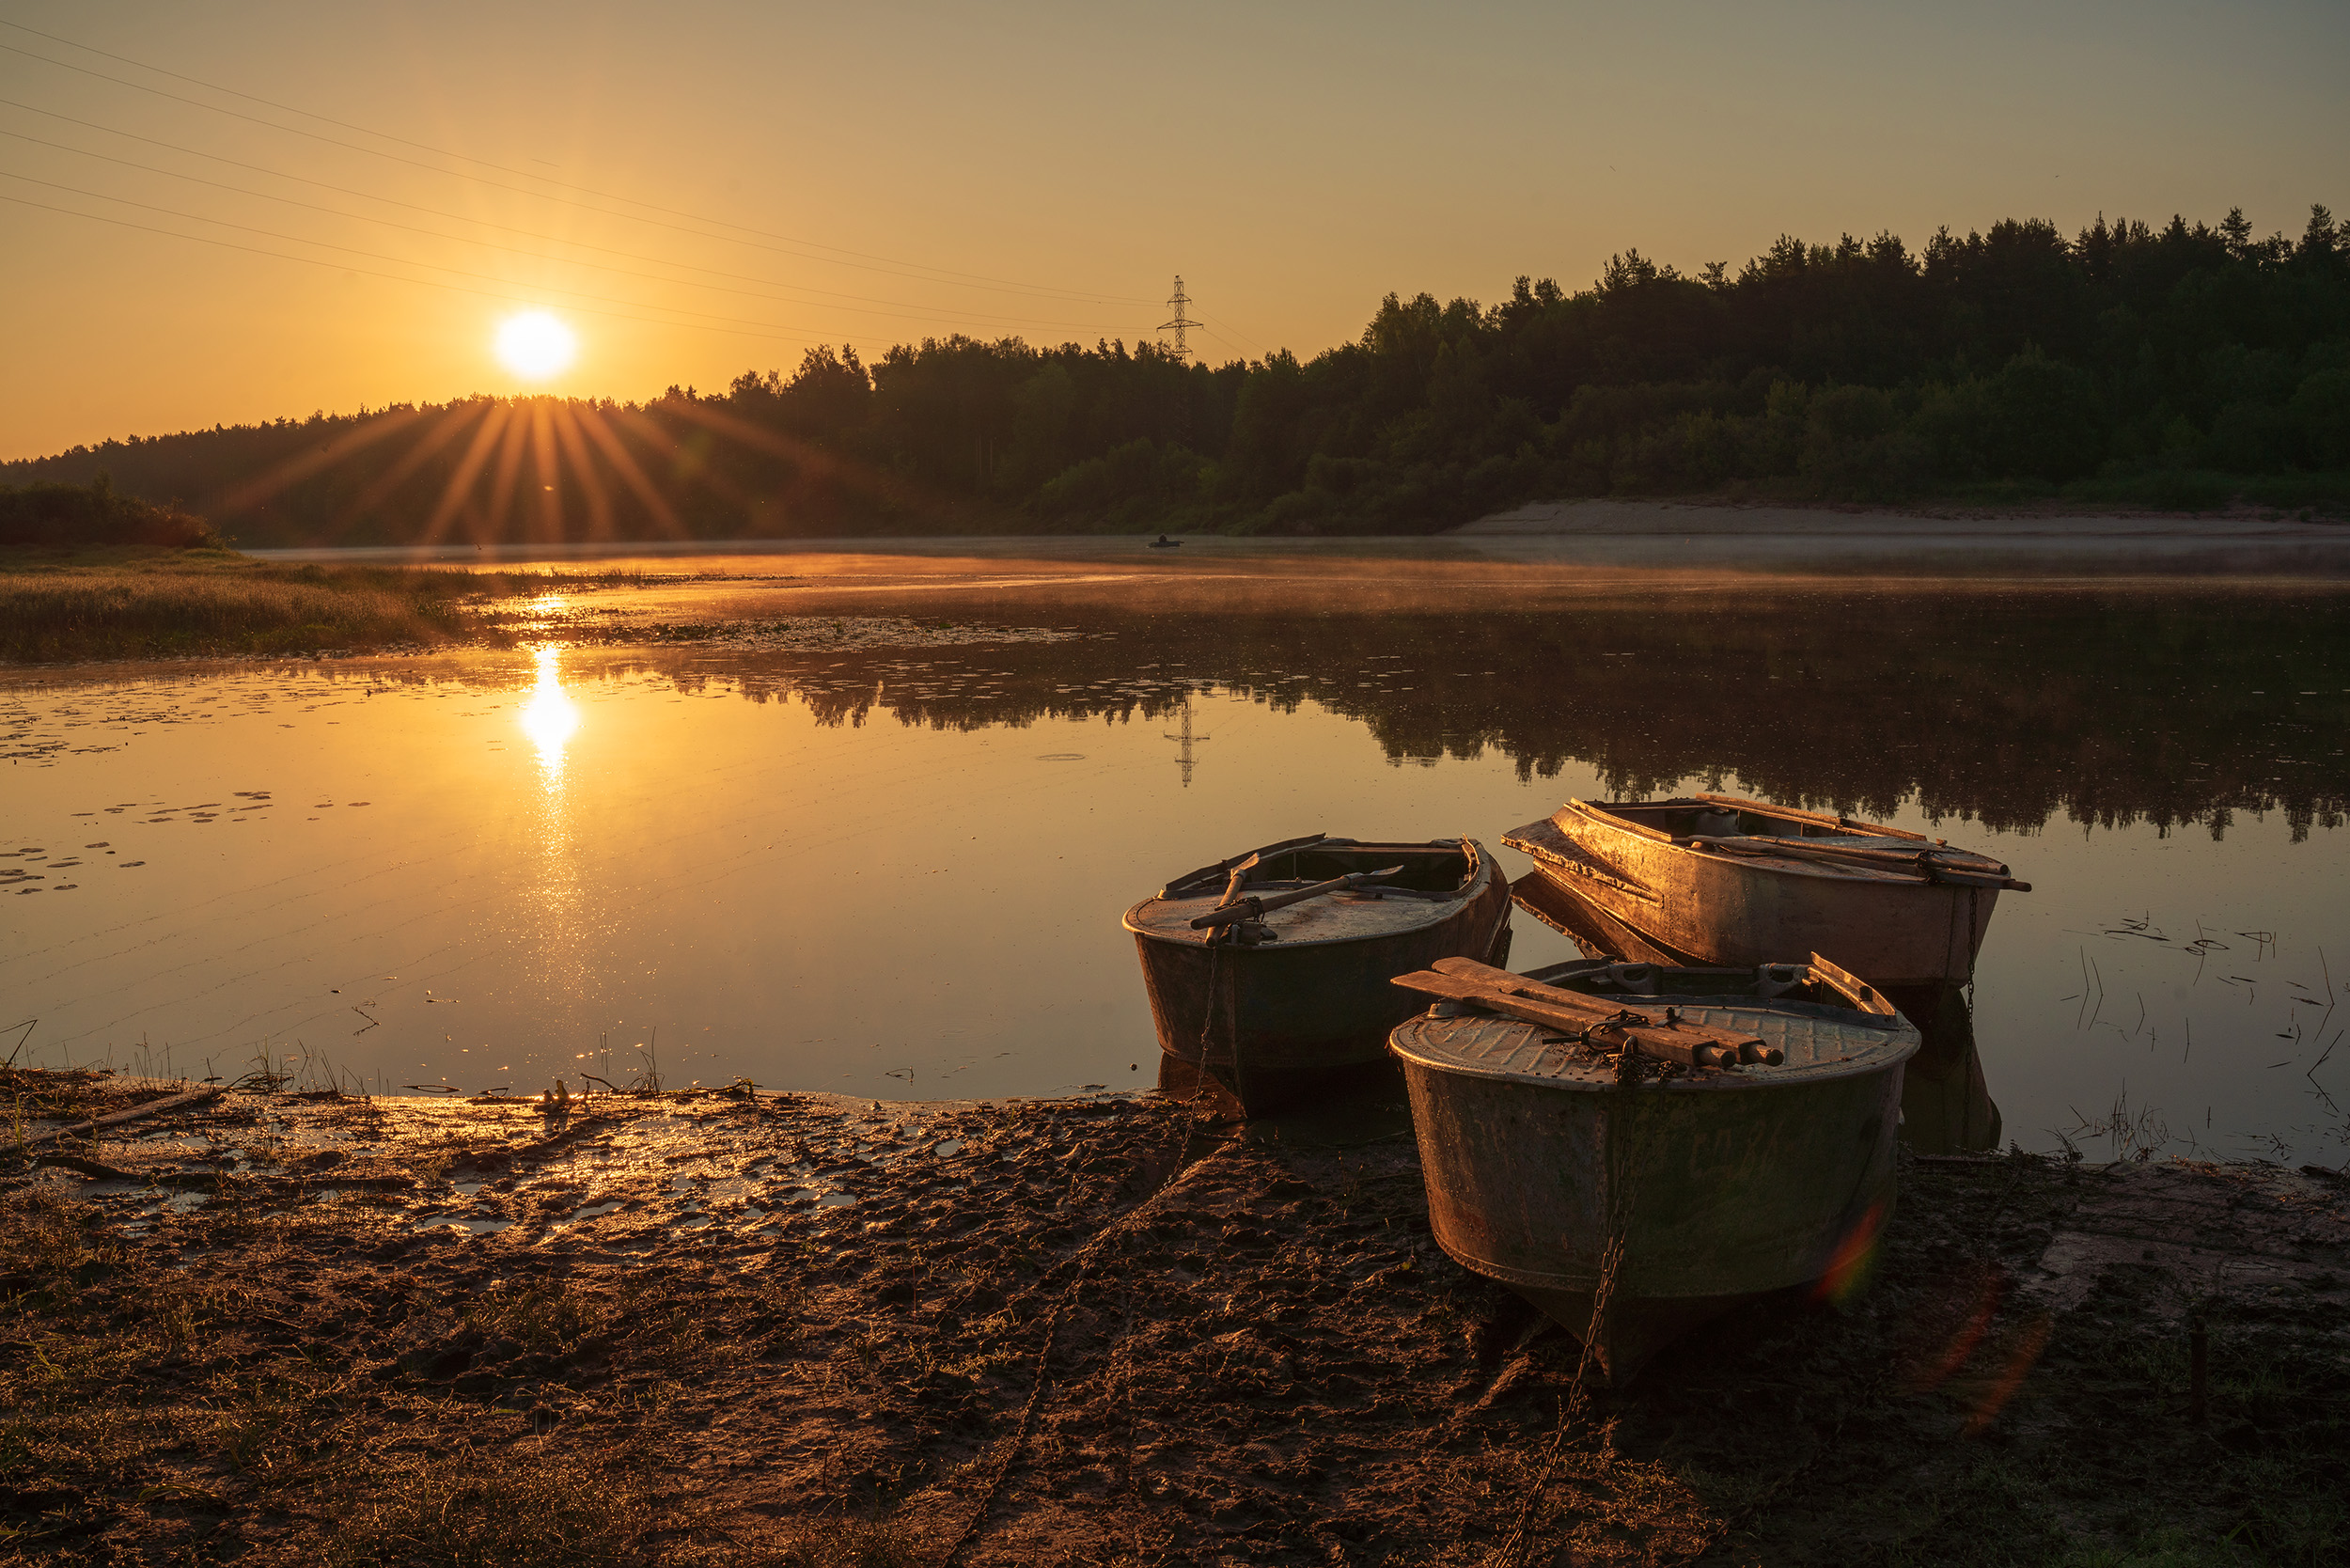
[{"x": 213, "y": 604}]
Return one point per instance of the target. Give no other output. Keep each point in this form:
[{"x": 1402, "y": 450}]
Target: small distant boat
[
  {"x": 1163, "y": 542},
  {"x": 1269, "y": 971},
  {"x": 1716, "y": 879},
  {"x": 1615, "y": 1142}
]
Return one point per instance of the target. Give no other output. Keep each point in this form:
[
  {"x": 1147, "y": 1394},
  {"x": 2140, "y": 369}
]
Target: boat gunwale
[
  {"x": 1483, "y": 869},
  {"x": 1543, "y": 855},
  {"x": 1906, "y": 1042},
  {"x": 1774, "y": 865}
]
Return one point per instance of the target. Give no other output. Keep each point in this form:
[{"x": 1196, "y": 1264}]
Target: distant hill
[{"x": 2174, "y": 365}]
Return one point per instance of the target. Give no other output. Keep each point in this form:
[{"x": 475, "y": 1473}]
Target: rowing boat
[
  {"x": 1946, "y": 1107},
  {"x": 1269, "y": 970},
  {"x": 1714, "y": 879},
  {"x": 1635, "y": 1196}
]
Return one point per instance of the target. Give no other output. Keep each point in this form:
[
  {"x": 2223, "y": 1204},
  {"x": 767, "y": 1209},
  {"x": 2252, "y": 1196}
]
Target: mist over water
[{"x": 898, "y": 873}]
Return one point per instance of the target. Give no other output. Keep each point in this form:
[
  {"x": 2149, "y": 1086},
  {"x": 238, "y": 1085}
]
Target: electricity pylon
[{"x": 1181, "y": 323}]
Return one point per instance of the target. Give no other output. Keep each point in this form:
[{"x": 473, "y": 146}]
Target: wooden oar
[
  {"x": 1599, "y": 1008},
  {"x": 1665, "y": 1043},
  {"x": 1254, "y": 906},
  {"x": 1907, "y": 864},
  {"x": 1982, "y": 865}
]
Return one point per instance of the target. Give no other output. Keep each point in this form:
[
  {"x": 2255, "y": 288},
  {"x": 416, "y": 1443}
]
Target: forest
[{"x": 2180, "y": 365}]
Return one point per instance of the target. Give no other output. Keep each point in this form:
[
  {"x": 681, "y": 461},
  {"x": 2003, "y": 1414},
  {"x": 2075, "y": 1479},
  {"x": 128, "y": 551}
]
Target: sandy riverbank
[
  {"x": 806, "y": 1330},
  {"x": 1726, "y": 519},
  {"x": 1570, "y": 539}
]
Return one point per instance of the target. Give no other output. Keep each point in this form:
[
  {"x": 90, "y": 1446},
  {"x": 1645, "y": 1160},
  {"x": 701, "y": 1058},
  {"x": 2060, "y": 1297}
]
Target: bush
[{"x": 70, "y": 516}]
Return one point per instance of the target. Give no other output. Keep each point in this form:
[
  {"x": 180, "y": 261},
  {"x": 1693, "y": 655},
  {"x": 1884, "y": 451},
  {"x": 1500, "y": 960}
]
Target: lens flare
[
  {"x": 1853, "y": 1258},
  {"x": 534, "y": 345}
]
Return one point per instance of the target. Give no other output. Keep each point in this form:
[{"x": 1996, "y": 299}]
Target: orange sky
[{"x": 704, "y": 188}]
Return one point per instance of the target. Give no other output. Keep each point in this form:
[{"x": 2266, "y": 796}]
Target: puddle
[{"x": 481, "y": 1227}]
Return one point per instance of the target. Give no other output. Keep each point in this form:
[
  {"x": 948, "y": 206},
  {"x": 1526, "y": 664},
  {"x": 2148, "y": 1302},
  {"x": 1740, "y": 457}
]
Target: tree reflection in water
[{"x": 2005, "y": 706}]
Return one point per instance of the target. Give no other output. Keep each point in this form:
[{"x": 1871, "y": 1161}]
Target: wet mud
[{"x": 750, "y": 1327}]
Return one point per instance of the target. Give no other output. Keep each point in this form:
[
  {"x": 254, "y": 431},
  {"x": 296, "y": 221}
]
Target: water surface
[{"x": 900, "y": 872}]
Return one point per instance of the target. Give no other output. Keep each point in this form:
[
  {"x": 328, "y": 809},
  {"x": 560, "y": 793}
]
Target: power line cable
[
  {"x": 383, "y": 135},
  {"x": 438, "y": 212},
  {"x": 1199, "y": 325},
  {"x": 1236, "y": 331},
  {"x": 916, "y": 315},
  {"x": 394, "y": 278},
  {"x": 458, "y": 217},
  {"x": 400, "y": 260},
  {"x": 542, "y": 195}
]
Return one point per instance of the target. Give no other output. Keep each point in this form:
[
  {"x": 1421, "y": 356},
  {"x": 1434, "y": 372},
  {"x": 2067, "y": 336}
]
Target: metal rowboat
[
  {"x": 1717, "y": 878},
  {"x": 1634, "y": 1212},
  {"x": 1273, "y": 1004}
]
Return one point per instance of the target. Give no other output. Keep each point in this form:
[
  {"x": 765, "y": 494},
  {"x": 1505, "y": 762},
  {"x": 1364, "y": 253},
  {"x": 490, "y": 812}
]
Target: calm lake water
[{"x": 898, "y": 871}]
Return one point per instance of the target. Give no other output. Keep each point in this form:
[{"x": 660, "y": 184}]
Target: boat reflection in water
[{"x": 1945, "y": 1102}]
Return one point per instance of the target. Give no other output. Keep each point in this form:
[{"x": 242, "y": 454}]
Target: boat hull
[
  {"x": 1272, "y": 1023},
  {"x": 1719, "y": 1197},
  {"x": 1719, "y": 910}
]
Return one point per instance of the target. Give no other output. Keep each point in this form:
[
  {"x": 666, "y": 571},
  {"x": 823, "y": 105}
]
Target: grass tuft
[
  {"x": 470, "y": 1510},
  {"x": 884, "y": 1543}
]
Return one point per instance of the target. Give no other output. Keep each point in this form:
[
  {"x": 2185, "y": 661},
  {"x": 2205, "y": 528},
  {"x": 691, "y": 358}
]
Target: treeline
[{"x": 2181, "y": 365}]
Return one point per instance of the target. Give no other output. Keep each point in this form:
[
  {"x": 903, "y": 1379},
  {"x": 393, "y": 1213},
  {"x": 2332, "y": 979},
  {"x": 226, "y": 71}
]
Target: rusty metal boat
[
  {"x": 1269, "y": 971},
  {"x": 1635, "y": 1193},
  {"x": 1946, "y": 1107},
  {"x": 1716, "y": 879}
]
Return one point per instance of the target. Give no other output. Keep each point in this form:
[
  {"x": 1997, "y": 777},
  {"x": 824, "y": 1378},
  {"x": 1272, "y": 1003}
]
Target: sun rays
[{"x": 545, "y": 469}]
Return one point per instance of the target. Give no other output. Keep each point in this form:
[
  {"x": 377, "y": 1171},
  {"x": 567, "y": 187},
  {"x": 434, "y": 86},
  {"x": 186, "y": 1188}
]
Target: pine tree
[{"x": 2237, "y": 230}]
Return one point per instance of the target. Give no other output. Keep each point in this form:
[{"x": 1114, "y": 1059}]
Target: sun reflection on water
[{"x": 550, "y": 716}]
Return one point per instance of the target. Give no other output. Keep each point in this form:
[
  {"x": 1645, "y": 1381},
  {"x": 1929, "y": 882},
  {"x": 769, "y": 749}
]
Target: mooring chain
[
  {"x": 1018, "y": 1440},
  {"x": 1624, "y": 1185},
  {"x": 1079, "y": 1261}
]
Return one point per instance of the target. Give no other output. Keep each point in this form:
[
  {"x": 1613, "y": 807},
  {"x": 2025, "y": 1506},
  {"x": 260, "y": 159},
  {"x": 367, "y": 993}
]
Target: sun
[{"x": 534, "y": 345}]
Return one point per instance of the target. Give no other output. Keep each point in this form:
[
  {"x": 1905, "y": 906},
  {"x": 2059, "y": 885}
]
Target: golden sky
[{"x": 705, "y": 187}]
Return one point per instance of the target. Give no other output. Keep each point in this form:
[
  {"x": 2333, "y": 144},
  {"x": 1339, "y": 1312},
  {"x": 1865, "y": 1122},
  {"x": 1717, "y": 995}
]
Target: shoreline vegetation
[
  {"x": 2172, "y": 366},
  {"x": 126, "y": 603},
  {"x": 294, "y": 1325},
  {"x": 131, "y": 601},
  {"x": 138, "y": 601}
]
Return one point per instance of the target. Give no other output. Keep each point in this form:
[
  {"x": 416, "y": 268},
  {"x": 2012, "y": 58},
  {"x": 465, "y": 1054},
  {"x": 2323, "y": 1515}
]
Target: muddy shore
[{"x": 798, "y": 1329}]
